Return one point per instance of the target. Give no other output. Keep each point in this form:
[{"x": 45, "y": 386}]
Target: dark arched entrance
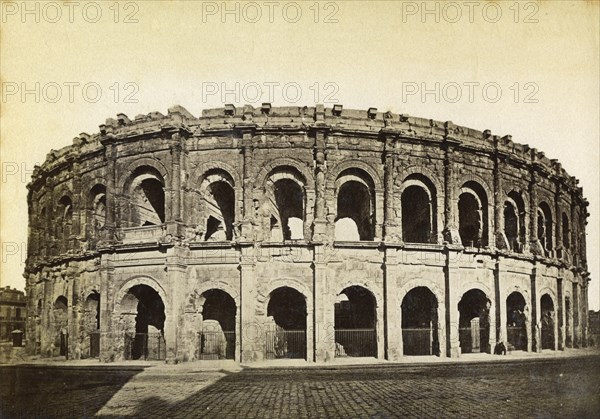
[
  {"x": 516, "y": 321},
  {"x": 286, "y": 334},
  {"x": 474, "y": 322},
  {"x": 143, "y": 315},
  {"x": 217, "y": 337},
  {"x": 355, "y": 323},
  {"x": 420, "y": 323},
  {"x": 61, "y": 321},
  {"x": 547, "y": 320},
  {"x": 91, "y": 326}
]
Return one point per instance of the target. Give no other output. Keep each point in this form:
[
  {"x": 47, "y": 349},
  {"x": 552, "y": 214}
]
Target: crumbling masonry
[{"x": 266, "y": 233}]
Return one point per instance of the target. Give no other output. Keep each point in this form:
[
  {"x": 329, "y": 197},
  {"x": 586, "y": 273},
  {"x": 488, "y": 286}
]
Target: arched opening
[
  {"x": 420, "y": 323},
  {"x": 547, "y": 321},
  {"x": 473, "y": 215},
  {"x": 65, "y": 222},
  {"x": 97, "y": 206},
  {"x": 217, "y": 337},
  {"x": 516, "y": 321},
  {"x": 91, "y": 326},
  {"x": 568, "y": 325},
  {"x": 544, "y": 226},
  {"x": 474, "y": 322},
  {"x": 355, "y": 323},
  {"x": 42, "y": 225},
  {"x": 346, "y": 230},
  {"x": 511, "y": 225},
  {"x": 61, "y": 320},
  {"x": 416, "y": 215},
  {"x": 566, "y": 232},
  {"x": 143, "y": 319},
  {"x": 288, "y": 201},
  {"x": 356, "y": 201},
  {"x": 220, "y": 202},
  {"x": 147, "y": 197},
  {"x": 514, "y": 222},
  {"x": 286, "y": 329}
]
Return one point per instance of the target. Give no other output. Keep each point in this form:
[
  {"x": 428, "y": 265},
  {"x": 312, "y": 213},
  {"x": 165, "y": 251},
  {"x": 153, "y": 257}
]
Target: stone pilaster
[
  {"x": 534, "y": 244},
  {"x": 252, "y": 333},
  {"x": 323, "y": 319},
  {"x": 576, "y": 314},
  {"x": 320, "y": 223},
  {"x": 501, "y": 242},
  {"x": 176, "y": 281},
  {"x": 450, "y": 233},
  {"x": 561, "y": 313},
  {"x": 536, "y": 332},
  {"x": 79, "y": 203},
  {"x": 108, "y": 337},
  {"x": 111, "y": 192},
  {"x": 247, "y": 233},
  {"x": 391, "y": 227},
  {"x": 452, "y": 270},
  {"x": 392, "y": 309}
]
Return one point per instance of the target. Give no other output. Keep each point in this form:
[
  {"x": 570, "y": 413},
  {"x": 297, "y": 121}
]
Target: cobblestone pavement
[{"x": 566, "y": 387}]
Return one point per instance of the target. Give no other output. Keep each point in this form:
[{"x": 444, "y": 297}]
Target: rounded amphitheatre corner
[{"x": 165, "y": 237}]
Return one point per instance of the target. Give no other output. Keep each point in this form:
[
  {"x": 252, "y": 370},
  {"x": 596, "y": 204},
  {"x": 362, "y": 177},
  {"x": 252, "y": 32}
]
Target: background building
[
  {"x": 302, "y": 232},
  {"x": 12, "y": 312}
]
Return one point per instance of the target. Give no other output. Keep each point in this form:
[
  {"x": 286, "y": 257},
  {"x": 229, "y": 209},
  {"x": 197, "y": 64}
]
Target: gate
[
  {"x": 417, "y": 341},
  {"x": 94, "y": 344},
  {"x": 216, "y": 345},
  {"x": 355, "y": 342},
  {"x": 517, "y": 337},
  {"x": 285, "y": 344},
  {"x": 471, "y": 338},
  {"x": 146, "y": 346},
  {"x": 64, "y": 344}
]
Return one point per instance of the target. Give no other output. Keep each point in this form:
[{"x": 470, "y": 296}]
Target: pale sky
[{"x": 543, "y": 56}]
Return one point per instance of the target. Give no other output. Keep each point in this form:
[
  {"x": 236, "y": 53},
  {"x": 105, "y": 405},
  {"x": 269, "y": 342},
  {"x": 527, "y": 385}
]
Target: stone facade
[
  {"x": 308, "y": 232},
  {"x": 12, "y": 312}
]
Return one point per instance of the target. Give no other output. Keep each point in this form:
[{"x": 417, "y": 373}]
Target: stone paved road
[{"x": 568, "y": 387}]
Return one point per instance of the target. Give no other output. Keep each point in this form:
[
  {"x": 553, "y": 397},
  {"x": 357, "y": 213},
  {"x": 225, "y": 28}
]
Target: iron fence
[
  {"x": 147, "y": 346},
  {"x": 285, "y": 344},
  {"x": 64, "y": 344},
  {"x": 94, "y": 344},
  {"x": 355, "y": 342},
  {"x": 417, "y": 341},
  {"x": 517, "y": 337},
  {"x": 473, "y": 340},
  {"x": 216, "y": 345}
]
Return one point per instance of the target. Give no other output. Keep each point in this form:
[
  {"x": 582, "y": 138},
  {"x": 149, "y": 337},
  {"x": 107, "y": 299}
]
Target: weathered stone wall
[{"x": 88, "y": 203}]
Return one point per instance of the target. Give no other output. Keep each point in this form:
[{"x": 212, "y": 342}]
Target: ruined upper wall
[{"x": 367, "y": 123}]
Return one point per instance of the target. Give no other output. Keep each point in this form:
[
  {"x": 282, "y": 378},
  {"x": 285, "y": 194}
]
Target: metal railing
[
  {"x": 147, "y": 346},
  {"x": 517, "y": 337},
  {"x": 473, "y": 340},
  {"x": 216, "y": 345},
  {"x": 94, "y": 344},
  {"x": 355, "y": 342},
  {"x": 285, "y": 344},
  {"x": 417, "y": 341},
  {"x": 547, "y": 335}
]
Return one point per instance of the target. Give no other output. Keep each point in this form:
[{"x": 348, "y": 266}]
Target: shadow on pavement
[
  {"x": 59, "y": 391},
  {"x": 559, "y": 388}
]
